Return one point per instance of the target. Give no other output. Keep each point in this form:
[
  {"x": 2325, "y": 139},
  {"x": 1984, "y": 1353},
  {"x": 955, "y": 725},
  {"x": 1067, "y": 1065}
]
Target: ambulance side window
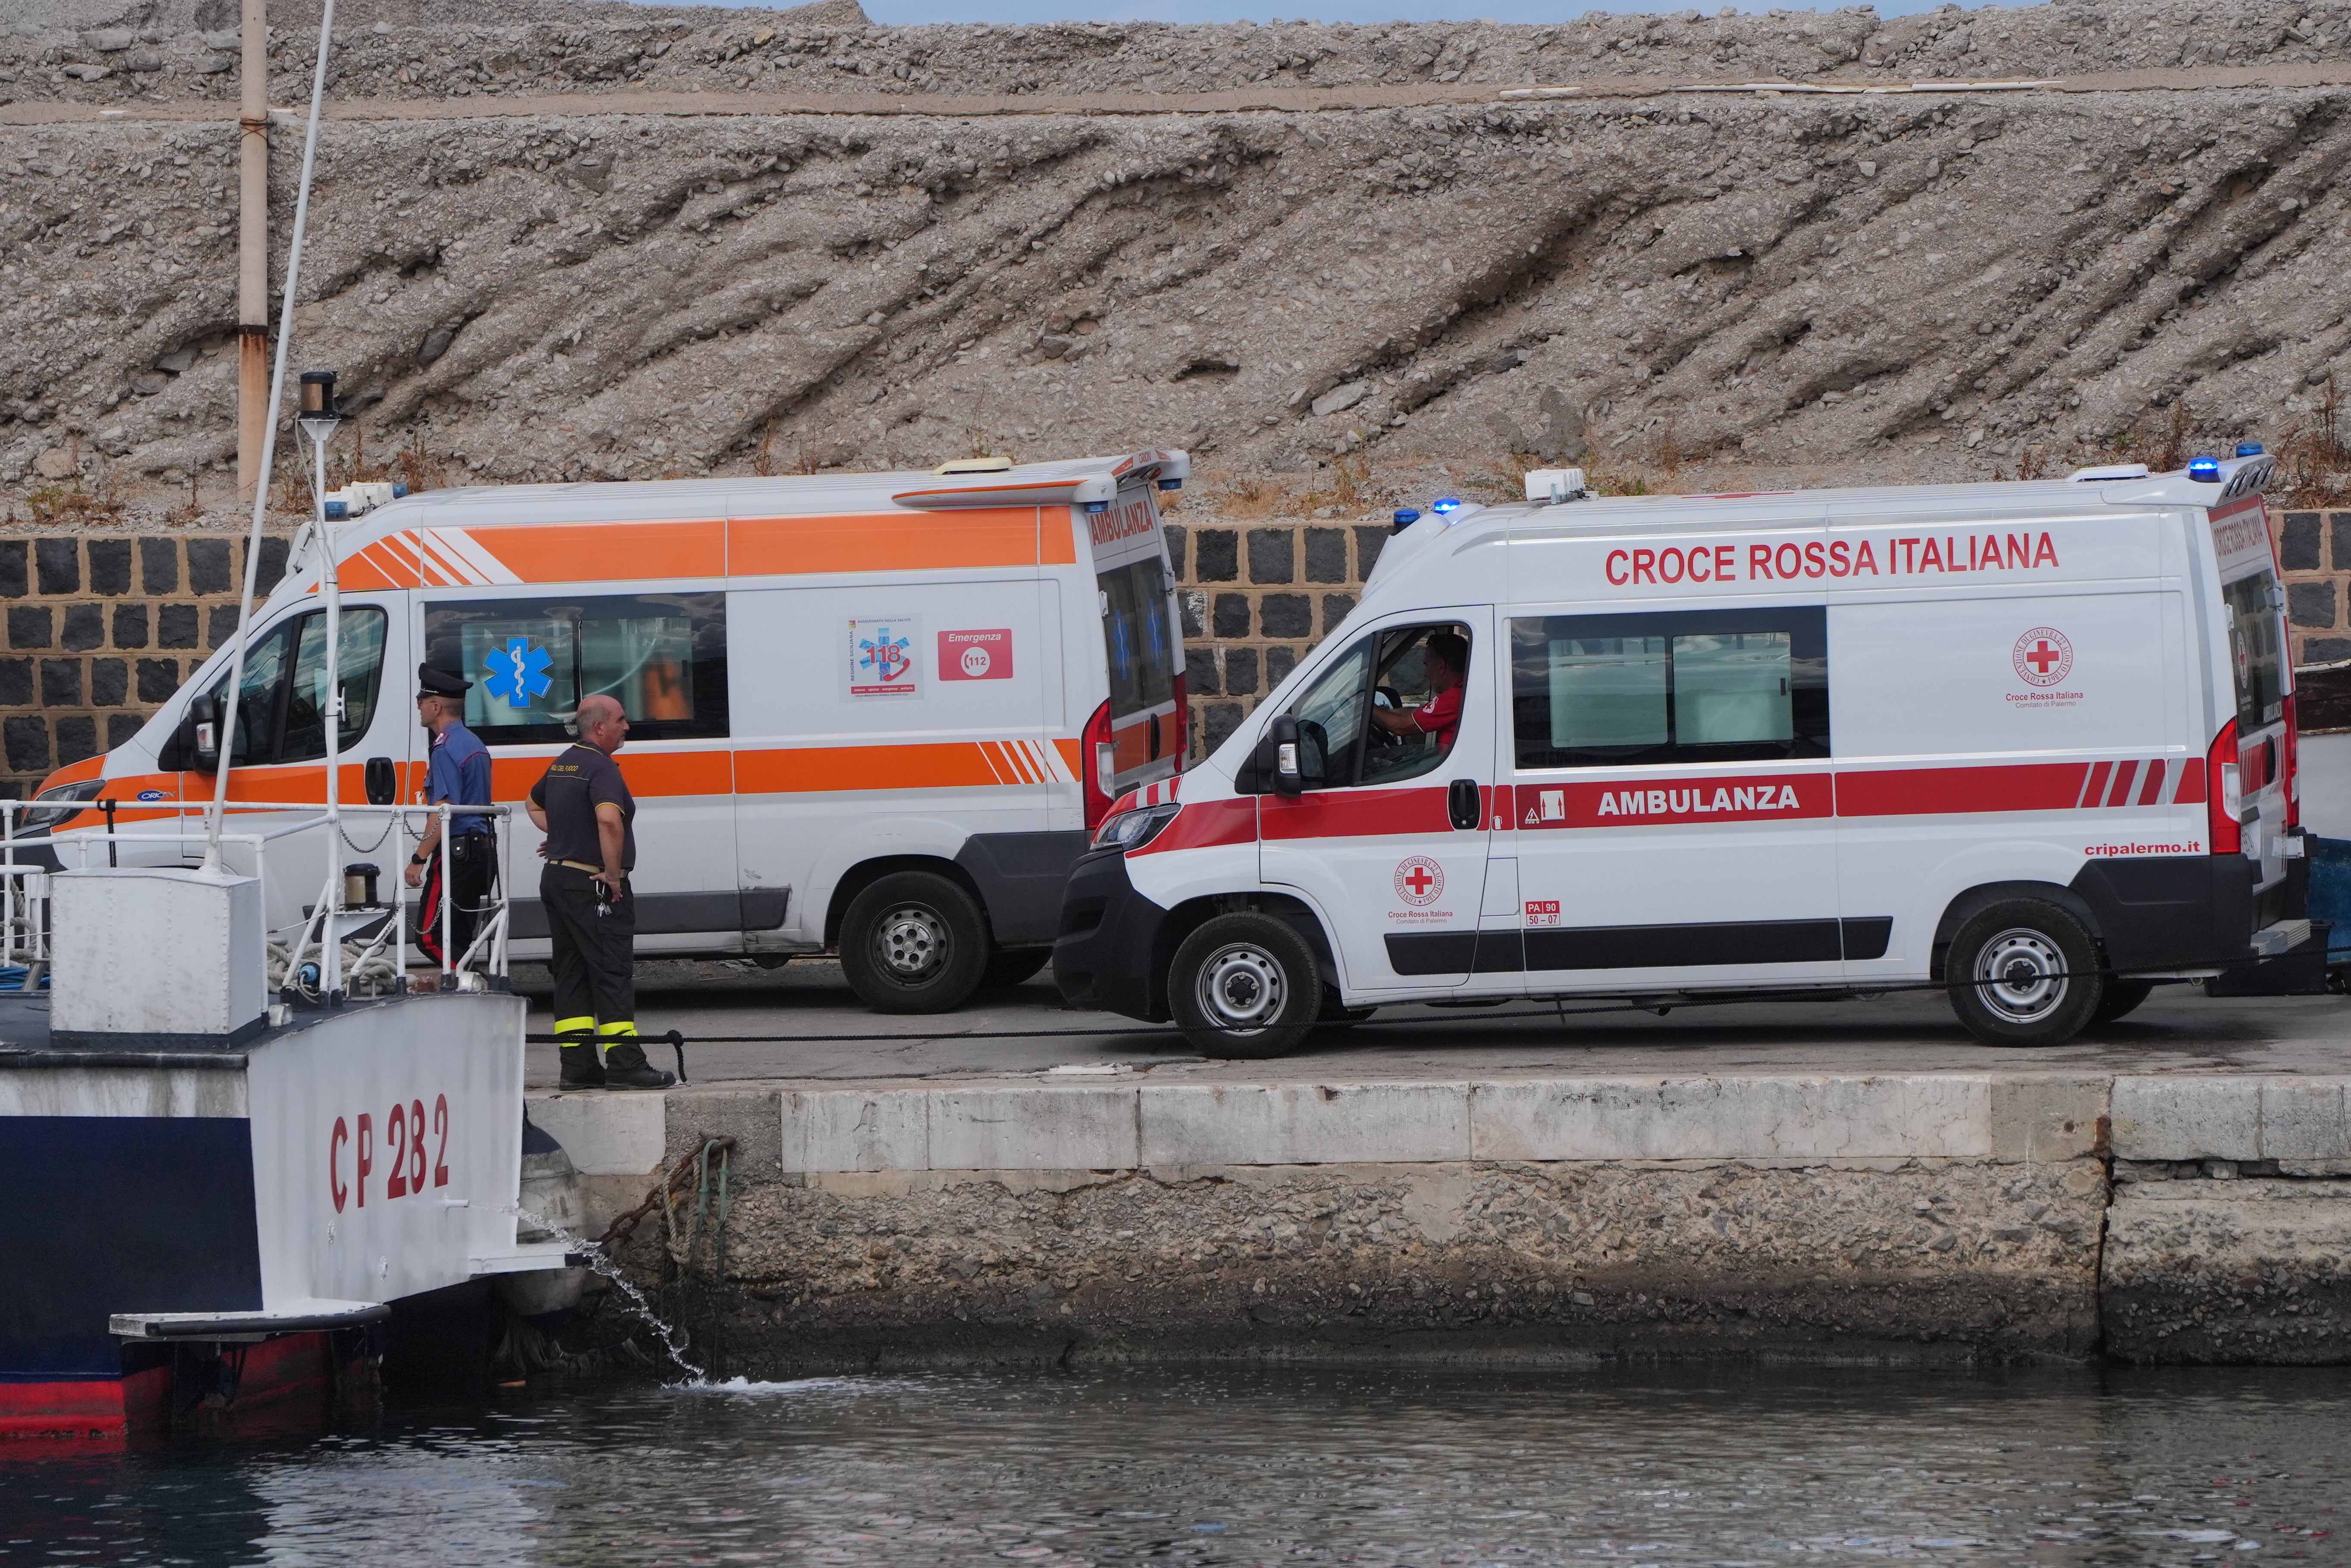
[
  {"x": 1705, "y": 686},
  {"x": 1339, "y": 745},
  {"x": 532, "y": 660},
  {"x": 281, "y": 712},
  {"x": 359, "y": 671},
  {"x": 1330, "y": 720}
]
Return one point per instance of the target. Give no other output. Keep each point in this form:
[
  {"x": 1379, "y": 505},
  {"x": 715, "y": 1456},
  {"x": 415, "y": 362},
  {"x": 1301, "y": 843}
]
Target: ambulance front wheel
[
  {"x": 2023, "y": 972},
  {"x": 1245, "y": 985},
  {"x": 913, "y": 942}
]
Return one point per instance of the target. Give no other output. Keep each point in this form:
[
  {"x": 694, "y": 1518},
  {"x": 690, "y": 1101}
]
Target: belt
[{"x": 580, "y": 866}]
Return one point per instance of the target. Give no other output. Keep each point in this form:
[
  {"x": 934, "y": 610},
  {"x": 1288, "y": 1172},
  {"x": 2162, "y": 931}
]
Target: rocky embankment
[
  {"x": 1685, "y": 287},
  {"x": 103, "y": 50}
]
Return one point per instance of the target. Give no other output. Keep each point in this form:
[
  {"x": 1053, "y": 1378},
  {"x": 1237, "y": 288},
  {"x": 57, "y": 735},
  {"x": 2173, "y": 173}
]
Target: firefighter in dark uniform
[
  {"x": 458, "y": 773},
  {"x": 583, "y": 806}
]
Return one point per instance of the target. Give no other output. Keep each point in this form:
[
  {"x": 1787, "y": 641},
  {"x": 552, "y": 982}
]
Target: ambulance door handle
[{"x": 1461, "y": 803}]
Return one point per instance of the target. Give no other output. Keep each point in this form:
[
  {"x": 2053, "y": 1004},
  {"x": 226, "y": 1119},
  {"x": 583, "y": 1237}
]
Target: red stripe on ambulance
[{"x": 1628, "y": 803}]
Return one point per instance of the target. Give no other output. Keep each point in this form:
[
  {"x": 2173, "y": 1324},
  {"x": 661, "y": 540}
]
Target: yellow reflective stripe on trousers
[
  {"x": 611, "y": 1031},
  {"x": 575, "y": 1025}
]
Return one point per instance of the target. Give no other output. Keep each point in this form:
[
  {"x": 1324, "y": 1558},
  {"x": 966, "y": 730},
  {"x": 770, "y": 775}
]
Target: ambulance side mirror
[
  {"x": 198, "y": 736},
  {"x": 1277, "y": 755},
  {"x": 382, "y": 783}
]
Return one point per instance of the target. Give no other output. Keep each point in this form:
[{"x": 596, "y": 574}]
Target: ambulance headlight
[
  {"x": 1133, "y": 829},
  {"x": 44, "y": 815}
]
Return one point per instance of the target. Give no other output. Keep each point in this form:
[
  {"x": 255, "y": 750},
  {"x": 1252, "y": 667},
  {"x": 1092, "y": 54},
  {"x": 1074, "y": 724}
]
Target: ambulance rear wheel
[
  {"x": 2023, "y": 972},
  {"x": 913, "y": 942},
  {"x": 1245, "y": 985}
]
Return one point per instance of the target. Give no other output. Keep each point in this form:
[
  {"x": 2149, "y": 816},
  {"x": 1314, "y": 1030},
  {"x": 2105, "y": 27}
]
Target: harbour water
[{"x": 1676, "y": 1466}]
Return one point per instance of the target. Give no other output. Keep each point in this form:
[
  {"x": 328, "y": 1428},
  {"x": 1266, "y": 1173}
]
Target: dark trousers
[
  {"x": 594, "y": 959},
  {"x": 470, "y": 863}
]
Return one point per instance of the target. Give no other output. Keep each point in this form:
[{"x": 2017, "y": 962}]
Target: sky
[{"x": 907, "y": 13}]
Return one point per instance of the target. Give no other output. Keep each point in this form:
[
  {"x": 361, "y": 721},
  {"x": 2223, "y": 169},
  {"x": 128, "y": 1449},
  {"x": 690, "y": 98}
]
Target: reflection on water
[{"x": 1618, "y": 1466}]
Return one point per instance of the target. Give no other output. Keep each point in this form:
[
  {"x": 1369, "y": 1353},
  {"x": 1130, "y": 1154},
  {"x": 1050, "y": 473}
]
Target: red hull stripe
[
  {"x": 2153, "y": 792},
  {"x": 82, "y": 1408}
]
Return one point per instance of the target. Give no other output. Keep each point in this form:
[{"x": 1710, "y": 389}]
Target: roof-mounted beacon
[{"x": 1556, "y": 484}]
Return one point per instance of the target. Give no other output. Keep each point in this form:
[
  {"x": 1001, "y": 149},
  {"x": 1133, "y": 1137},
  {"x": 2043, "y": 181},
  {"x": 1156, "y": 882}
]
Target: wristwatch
[{"x": 418, "y": 860}]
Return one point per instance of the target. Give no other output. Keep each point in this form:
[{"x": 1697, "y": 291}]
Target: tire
[
  {"x": 1012, "y": 966},
  {"x": 913, "y": 942},
  {"x": 1245, "y": 986},
  {"x": 2122, "y": 997},
  {"x": 1336, "y": 1015},
  {"x": 2023, "y": 972}
]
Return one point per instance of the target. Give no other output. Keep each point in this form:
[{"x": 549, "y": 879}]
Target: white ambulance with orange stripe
[
  {"x": 2031, "y": 742},
  {"x": 872, "y": 712}
]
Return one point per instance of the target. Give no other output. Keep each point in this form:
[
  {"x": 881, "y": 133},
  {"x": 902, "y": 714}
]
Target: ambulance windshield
[{"x": 2256, "y": 650}]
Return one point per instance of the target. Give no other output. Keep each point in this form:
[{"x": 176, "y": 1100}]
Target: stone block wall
[
  {"x": 2314, "y": 551},
  {"x": 1256, "y": 595},
  {"x": 100, "y": 629}
]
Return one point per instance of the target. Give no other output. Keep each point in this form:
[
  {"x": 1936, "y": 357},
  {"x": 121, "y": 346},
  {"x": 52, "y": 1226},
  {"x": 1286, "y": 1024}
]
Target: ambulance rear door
[
  {"x": 1140, "y": 734},
  {"x": 2252, "y": 614},
  {"x": 1389, "y": 837}
]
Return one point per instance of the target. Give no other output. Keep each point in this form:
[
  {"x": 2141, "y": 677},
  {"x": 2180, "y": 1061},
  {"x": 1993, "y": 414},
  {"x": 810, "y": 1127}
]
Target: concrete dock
[{"x": 1768, "y": 1181}]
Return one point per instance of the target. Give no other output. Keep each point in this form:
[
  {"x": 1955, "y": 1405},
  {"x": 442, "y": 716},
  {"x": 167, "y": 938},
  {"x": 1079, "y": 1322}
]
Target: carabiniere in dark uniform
[
  {"x": 584, "y": 806},
  {"x": 459, "y": 773}
]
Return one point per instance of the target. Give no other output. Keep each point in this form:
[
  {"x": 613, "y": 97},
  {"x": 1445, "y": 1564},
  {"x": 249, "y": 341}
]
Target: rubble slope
[{"x": 1927, "y": 285}]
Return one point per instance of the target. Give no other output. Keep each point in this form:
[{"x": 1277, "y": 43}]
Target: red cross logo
[
  {"x": 1419, "y": 880},
  {"x": 2042, "y": 656}
]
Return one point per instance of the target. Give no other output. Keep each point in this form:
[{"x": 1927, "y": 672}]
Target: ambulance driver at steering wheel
[{"x": 1446, "y": 660}]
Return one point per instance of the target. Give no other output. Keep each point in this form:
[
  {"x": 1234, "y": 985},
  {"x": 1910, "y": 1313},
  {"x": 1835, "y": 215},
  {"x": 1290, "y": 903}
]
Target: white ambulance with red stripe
[
  {"x": 871, "y": 712},
  {"x": 2031, "y": 742}
]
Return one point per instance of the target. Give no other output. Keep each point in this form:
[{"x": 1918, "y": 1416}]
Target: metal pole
[
  {"x": 448, "y": 958},
  {"x": 268, "y": 441},
  {"x": 253, "y": 251},
  {"x": 330, "y": 589}
]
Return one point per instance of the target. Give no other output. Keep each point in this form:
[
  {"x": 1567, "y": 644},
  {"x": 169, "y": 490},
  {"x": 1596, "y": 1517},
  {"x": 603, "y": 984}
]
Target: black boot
[
  {"x": 581, "y": 1068},
  {"x": 625, "y": 1067}
]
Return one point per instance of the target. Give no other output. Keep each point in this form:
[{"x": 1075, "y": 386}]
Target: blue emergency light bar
[
  {"x": 2204, "y": 469},
  {"x": 1405, "y": 518},
  {"x": 1445, "y": 506},
  {"x": 2249, "y": 448}
]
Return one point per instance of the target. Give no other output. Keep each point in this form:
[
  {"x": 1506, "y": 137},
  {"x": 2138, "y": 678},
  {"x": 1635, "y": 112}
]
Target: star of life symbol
[
  {"x": 885, "y": 657},
  {"x": 517, "y": 673},
  {"x": 1419, "y": 880},
  {"x": 2042, "y": 657}
]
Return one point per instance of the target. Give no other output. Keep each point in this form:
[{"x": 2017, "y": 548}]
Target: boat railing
[{"x": 352, "y": 940}]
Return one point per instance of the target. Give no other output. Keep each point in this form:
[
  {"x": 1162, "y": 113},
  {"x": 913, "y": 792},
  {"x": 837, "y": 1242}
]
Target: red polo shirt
[{"x": 1441, "y": 716}]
